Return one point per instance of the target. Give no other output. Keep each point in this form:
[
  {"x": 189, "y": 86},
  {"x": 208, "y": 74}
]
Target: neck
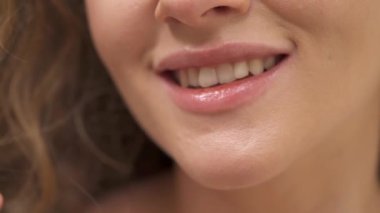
[{"x": 328, "y": 179}]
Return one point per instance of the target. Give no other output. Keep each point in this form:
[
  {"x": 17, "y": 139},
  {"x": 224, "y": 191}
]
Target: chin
[{"x": 230, "y": 169}]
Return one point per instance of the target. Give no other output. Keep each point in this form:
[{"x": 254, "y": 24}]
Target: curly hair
[{"x": 61, "y": 118}]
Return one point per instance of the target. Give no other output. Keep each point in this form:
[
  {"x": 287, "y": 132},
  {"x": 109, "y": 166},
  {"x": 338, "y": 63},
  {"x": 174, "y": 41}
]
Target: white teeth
[
  {"x": 225, "y": 73},
  {"x": 193, "y": 77},
  {"x": 256, "y": 66},
  {"x": 241, "y": 70},
  {"x": 269, "y": 63},
  {"x": 207, "y": 77}
]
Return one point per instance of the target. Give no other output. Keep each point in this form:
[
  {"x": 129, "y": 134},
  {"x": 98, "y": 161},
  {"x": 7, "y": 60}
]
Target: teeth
[
  {"x": 256, "y": 66},
  {"x": 241, "y": 70},
  {"x": 193, "y": 77},
  {"x": 183, "y": 78},
  {"x": 207, "y": 77},
  {"x": 224, "y": 73},
  {"x": 269, "y": 63}
]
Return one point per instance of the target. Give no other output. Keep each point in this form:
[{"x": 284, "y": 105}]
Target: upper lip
[{"x": 224, "y": 53}]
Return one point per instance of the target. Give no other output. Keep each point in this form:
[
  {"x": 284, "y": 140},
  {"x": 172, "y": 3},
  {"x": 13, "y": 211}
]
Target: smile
[
  {"x": 221, "y": 78},
  {"x": 205, "y": 77}
]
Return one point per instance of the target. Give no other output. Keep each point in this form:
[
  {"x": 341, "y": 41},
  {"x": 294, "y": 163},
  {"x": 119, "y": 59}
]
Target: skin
[
  {"x": 309, "y": 144},
  {"x": 1, "y": 201}
]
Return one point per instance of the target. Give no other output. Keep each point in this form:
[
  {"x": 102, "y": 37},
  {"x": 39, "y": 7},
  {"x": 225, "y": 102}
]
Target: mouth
[
  {"x": 223, "y": 78},
  {"x": 222, "y": 74}
]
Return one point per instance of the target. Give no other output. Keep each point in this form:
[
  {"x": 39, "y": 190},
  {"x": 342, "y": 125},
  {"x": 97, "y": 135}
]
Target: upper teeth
[{"x": 224, "y": 73}]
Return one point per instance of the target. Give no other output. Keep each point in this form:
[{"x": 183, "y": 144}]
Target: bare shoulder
[{"x": 153, "y": 195}]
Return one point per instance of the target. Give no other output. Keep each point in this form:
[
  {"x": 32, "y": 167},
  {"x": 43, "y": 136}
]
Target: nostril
[{"x": 222, "y": 9}]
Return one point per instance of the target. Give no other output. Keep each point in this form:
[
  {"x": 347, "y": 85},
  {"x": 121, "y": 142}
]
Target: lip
[
  {"x": 226, "y": 96},
  {"x": 210, "y": 56}
]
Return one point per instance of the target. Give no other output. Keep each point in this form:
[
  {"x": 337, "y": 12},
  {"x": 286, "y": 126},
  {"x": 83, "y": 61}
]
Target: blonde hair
[{"x": 60, "y": 115}]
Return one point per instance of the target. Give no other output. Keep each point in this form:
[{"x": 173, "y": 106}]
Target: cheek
[
  {"x": 338, "y": 44},
  {"x": 122, "y": 30},
  {"x": 324, "y": 18},
  {"x": 311, "y": 14}
]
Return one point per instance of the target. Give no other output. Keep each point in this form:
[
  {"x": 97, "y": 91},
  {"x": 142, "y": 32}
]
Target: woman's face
[{"x": 325, "y": 83}]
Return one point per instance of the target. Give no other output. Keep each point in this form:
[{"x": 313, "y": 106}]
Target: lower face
[{"x": 246, "y": 131}]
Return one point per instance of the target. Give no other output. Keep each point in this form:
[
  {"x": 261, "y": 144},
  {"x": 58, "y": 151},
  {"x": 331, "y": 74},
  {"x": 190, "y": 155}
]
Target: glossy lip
[{"x": 223, "y": 97}]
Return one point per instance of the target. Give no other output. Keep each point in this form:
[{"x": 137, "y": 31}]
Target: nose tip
[{"x": 195, "y": 12}]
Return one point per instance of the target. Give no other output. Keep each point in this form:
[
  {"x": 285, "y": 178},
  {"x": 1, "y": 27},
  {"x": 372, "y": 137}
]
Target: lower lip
[{"x": 224, "y": 97}]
